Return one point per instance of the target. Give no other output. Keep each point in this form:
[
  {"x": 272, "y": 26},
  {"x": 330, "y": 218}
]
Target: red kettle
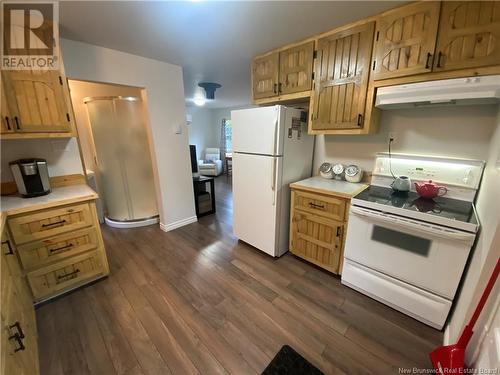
[{"x": 430, "y": 190}]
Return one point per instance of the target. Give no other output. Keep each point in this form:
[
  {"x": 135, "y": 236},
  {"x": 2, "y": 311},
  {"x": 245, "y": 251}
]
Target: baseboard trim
[{"x": 178, "y": 224}]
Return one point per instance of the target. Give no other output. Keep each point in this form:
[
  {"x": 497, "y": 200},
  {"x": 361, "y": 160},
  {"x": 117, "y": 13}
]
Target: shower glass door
[{"x": 123, "y": 157}]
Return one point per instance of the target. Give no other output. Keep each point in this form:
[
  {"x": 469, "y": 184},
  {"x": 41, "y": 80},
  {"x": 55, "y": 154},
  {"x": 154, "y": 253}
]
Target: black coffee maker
[{"x": 31, "y": 176}]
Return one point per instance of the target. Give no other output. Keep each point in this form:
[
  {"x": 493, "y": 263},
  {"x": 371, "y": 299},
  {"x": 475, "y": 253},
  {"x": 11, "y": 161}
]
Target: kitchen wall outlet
[{"x": 392, "y": 136}]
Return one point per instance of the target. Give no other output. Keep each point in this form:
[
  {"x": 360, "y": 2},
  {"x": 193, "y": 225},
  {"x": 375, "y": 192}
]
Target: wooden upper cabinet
[
  {"x": 341, "y": 74},
  {"x": 6, "y": 125},
  {"x": 406, "y": 40},
  {"x": 265, "y": 71},
  {"x": 296, "y": 67},
  {"x": 37, "y": 101},
  {"x": 469, "y": 35}
]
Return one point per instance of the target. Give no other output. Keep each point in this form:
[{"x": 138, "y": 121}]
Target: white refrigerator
[{"x": 271, "y": 149}]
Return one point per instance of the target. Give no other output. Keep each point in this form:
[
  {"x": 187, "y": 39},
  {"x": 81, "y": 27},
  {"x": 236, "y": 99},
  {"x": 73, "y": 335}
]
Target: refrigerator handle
[
  {"x": 276, "y": 124},
  {"x": 273, "y": 182}
]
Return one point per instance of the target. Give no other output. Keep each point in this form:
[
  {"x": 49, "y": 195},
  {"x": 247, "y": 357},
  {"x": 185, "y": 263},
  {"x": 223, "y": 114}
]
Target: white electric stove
[{"x": 406, "y": 251}]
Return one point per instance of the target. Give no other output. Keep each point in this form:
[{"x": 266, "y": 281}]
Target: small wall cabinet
[
  {"x": 405, "y": 40},
  {"x": 432, "y": 36},
  {"x": 265, "y": 71},
  {"x": 469, "y": 35},
  {"x": 36, "y": 101},
  {"x": 283, "y": 72}
]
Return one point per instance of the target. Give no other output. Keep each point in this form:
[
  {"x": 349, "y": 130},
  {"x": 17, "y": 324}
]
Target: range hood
[{"x": 448, "y": 92}]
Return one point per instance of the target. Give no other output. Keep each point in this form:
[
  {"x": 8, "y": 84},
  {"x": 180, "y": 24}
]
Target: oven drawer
[
  {"x": 66, "y": 274},
  {"x": 322, "y": 205},
  {"x": 47, "y": 223},
  {"x": 425, "y": 255},
  {"x": 421, "y": 305},
  {"x": 39, "y": 253}
]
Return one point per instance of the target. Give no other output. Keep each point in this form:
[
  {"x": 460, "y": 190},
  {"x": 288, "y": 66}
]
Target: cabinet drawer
[
  {"x": 329, "y": 207},
  {"x": 65, "y": 275},
  {"x": 317, "y": 240},
  {"x": 48, "y": 223},
  {"x": 38, "y": 253}
]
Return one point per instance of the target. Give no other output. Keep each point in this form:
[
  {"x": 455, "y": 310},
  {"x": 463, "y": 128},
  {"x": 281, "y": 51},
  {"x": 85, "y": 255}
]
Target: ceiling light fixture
[
  {"x": 199, "y": 101},
  {"x": 210, "y": 88}
]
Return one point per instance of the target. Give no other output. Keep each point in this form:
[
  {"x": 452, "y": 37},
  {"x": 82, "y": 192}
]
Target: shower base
[{"x": 132, "y": 223}]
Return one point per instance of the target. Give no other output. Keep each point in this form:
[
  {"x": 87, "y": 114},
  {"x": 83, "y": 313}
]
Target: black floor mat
[{"x": 289, "y": 362}]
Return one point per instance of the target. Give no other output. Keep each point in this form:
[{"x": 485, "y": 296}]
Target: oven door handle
[{"x": 410, "y": 224}]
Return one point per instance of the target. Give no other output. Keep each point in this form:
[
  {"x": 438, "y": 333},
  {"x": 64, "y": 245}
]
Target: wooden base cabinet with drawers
[
  {"x": 317, "y": 227},
  {"x": 59, "y": 248},
  {"x": 45, "y": 253}
]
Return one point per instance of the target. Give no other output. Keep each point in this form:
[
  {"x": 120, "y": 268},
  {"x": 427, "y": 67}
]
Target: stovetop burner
[{"x": 443, "y": 207}]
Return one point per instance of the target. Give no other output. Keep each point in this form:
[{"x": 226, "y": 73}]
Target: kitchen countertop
[
  {"x": 15, "y": 204},
  {"x": 322, "y": 185}
]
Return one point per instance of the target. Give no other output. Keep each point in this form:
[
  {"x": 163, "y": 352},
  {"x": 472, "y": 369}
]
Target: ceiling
[{"x": 211, "y": 40}]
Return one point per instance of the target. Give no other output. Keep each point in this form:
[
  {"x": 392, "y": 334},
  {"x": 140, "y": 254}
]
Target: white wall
[
  {"x": 62, "y": 155},
  {"x": 458, "y": 132},
  {"x": 486, "y": 253},
  {"x": 165, "y": 99},
  {"x": 203, "y": 131}
]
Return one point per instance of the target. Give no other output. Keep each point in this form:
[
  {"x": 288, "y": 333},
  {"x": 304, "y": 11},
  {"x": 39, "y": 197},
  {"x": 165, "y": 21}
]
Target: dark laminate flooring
[{"x": 195, "y": 300}]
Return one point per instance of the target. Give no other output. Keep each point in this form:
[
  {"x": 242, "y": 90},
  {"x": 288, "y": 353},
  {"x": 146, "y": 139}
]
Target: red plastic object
[
  {"x": 450, "y": 359},
  {"x": 430, "y": 190}
]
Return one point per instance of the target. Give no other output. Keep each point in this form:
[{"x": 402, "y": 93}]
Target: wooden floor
[{"x": 195, "y": 300}]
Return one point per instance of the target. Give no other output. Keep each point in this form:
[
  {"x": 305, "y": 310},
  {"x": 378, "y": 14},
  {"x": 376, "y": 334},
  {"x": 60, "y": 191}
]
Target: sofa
[{"x": 211, "y": 165}]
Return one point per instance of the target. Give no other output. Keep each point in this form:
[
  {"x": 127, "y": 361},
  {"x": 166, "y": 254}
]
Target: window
[{"x": 228, "y": 136}]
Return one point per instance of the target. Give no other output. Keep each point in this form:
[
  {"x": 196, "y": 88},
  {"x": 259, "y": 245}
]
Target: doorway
[{"x": 116, "y": 148}]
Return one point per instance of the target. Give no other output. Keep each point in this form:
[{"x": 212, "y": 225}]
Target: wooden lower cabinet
[
  {"x": 18, "y": 337},
  {"x": 314, "y": 235},
  {"x": 45, "y": 253},
  {"x": 59, "y": 248}
]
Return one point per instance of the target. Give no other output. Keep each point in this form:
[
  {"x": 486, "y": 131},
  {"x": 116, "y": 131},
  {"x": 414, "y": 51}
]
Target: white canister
[
  {"x": 325, "y": 170},
  {"x": 353, "y": 173}
]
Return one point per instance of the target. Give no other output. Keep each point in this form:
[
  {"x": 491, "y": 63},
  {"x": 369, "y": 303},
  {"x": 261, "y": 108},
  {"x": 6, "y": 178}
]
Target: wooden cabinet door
[
  {"x": 6, "y": 125},
  {"x": 265, "y": 72},
  {"x": 316, "y": 239},
  {"x": 37, "y": 101},
  {"x": 296, "y": 66},
  {"x": 19, "y": 355},
  {"x": 341, "y": 75},
  {"x": 469, "y": 35},
  {"x": 405, "y": 40}
]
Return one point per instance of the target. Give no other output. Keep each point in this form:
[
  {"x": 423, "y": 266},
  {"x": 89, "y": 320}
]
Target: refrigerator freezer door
[
  {"x": 258, "y": 130},
  {"x": 256, "y": 181}
]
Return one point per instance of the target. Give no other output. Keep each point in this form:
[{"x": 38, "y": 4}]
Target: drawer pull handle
[
  {"x": 60, "y": 222},
  {"x": 318, "y": 206},
  {"x": 68, "y": 246},
  {"x": 18, "y": 328},
  {"x": 74, "y": 273},
  {"x": 19, "y": 342},
  {"x": 10, "y": 252}
]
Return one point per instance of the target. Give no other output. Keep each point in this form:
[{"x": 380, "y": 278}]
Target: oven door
[{"x": 429, "y": 256}]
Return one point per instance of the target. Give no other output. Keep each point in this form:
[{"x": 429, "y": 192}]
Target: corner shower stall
[{"x": 123, "y": 159}]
